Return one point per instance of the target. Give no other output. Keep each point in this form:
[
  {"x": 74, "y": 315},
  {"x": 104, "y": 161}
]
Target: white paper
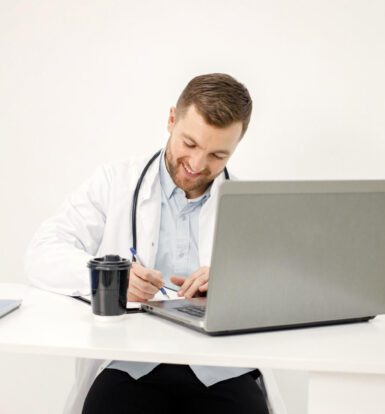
[{"x": 136, "y": 305}]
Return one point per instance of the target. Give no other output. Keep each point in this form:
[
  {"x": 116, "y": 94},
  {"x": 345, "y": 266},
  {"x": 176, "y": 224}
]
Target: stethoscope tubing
[{"x": 136, "y": 195}]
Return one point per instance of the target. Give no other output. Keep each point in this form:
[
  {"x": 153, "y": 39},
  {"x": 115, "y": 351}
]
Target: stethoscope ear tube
[{"x": 136, "y": 196}]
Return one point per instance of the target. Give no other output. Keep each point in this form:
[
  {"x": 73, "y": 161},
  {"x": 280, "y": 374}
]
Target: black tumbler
[{"x": 109, "y": 284}]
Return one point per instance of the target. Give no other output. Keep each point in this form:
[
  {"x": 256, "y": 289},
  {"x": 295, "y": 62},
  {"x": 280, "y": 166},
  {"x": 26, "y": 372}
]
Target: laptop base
[{"x": 150, "y": 310}]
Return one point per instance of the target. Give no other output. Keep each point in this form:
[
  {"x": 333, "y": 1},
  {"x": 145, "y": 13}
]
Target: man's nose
[{"x": 198, "y": 162}]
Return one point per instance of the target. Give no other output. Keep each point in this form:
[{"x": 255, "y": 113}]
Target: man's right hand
[{"x": 143, "y": 284}]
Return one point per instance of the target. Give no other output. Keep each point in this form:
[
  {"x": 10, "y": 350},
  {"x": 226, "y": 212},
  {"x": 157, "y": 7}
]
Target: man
[{"x": 175, "y": 228}]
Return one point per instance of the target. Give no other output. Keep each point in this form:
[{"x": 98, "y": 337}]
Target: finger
[
  {"x": 141, "y": 288},
  {"x": 133, "y": 298},
  {"x": 204, "y": 288},
  {"x": 143, "y": 285},
  {"x": 149, "y": 275},
  {"x": 135, "y": 295},
  {"x": 190, "y": 280},
  {"x": 194, "y": 288},
  {"x": 177, "y": 280}
]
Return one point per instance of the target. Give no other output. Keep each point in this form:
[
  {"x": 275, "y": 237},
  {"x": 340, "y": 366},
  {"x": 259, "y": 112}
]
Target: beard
[{"x": 198, "y": 184}]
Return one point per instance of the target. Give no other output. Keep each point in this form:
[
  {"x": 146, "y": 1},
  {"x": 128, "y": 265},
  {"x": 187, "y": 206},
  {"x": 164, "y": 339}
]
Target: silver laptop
[
  {"x": 291, "y": 254},
  {"x": 8, "y": 305}
]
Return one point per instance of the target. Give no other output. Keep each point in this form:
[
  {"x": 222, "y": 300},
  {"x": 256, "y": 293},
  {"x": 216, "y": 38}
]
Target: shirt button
[{"x": 180, "y": 254}]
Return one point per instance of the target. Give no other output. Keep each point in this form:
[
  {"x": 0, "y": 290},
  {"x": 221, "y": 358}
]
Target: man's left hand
[{"x": 194, "y": 285}]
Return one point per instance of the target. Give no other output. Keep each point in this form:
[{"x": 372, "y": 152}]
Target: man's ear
[{"x": 171, "y": 119}]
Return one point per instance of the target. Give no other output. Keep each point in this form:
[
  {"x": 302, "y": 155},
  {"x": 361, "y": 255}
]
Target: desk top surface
[{"x": 49, "y": 323}]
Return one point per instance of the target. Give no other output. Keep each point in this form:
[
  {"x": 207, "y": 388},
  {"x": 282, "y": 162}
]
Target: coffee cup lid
[{"x": 109, "y": 262}]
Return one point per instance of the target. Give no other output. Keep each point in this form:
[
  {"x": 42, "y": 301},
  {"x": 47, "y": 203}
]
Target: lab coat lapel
[
  {"x": 148, "y": 215},
  {"x": 207, "y": 223}
]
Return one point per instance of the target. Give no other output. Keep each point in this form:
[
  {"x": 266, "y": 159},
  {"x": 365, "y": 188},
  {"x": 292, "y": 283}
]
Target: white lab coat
[{"x": 96, "y": 220}]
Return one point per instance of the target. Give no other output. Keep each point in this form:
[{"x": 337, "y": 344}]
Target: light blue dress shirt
[{"x": 178, "y": 254}]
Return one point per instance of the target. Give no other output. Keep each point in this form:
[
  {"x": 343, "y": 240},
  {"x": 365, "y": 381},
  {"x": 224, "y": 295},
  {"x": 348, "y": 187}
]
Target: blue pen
[{"x": 135, "y": 254}]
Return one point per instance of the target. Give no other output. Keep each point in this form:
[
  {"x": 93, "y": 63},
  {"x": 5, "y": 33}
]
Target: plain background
[{"x": 87, "y": 82}]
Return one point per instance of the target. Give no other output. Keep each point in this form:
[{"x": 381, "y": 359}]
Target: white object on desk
[{"x": 136, "y": 305}]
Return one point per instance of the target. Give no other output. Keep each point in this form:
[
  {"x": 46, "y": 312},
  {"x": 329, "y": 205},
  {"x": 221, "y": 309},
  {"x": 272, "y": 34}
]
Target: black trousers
[{"x": 170, "y": 389}]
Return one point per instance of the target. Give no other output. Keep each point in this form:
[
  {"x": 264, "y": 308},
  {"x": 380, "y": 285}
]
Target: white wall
[{"x": 88, "y": 82}]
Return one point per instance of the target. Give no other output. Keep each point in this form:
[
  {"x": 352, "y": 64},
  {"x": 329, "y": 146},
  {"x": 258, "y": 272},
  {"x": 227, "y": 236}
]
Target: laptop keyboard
[{"x": 194, "y": 310}]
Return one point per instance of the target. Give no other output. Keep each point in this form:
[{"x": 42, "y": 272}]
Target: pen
[{"x": 135, "y": 255}]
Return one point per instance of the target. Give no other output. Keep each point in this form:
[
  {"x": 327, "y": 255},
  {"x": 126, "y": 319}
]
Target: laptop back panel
[
  {"x": 297, "y": 253},
  {"x": 8, "y": 305}
]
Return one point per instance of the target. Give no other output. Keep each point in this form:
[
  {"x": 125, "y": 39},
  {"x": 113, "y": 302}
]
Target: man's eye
[
  {"x": 189, "y": 145},
  {"x": 219, "y": 157}
]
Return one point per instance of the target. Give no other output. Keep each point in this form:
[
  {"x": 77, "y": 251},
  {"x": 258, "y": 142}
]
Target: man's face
[{"x": 196, "y": 152}]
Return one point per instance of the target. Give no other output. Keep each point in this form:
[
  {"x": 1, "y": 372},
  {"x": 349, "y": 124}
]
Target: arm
[{"x": 57, "y": 255}]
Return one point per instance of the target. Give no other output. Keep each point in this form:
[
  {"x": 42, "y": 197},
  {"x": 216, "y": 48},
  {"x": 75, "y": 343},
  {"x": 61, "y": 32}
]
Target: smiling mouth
[{"x": 189, "y": 172}]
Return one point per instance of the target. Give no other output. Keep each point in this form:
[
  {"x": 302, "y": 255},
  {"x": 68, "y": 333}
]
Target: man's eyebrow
[{"x": 224, "y": 152}]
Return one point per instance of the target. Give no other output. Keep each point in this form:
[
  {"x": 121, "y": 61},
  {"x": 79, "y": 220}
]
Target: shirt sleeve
[{"x": 57, "y": 256}]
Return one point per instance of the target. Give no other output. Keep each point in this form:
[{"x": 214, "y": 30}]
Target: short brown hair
[{"x": 219, "y": 98}]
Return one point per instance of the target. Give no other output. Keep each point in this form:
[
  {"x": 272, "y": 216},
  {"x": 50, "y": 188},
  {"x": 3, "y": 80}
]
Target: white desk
[{"x": 346, "y": 363}]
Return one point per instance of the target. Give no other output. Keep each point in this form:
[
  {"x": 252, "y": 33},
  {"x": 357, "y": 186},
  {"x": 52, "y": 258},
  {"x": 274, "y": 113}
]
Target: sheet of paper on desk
[
  {"x": 172, "y": 294},
  {"x": 159, "y": 296},
  {"x": 136, "y": 305}
]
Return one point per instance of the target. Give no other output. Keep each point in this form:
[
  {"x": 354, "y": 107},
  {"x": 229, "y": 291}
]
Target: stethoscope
[{"x": 136, "y": 194}]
